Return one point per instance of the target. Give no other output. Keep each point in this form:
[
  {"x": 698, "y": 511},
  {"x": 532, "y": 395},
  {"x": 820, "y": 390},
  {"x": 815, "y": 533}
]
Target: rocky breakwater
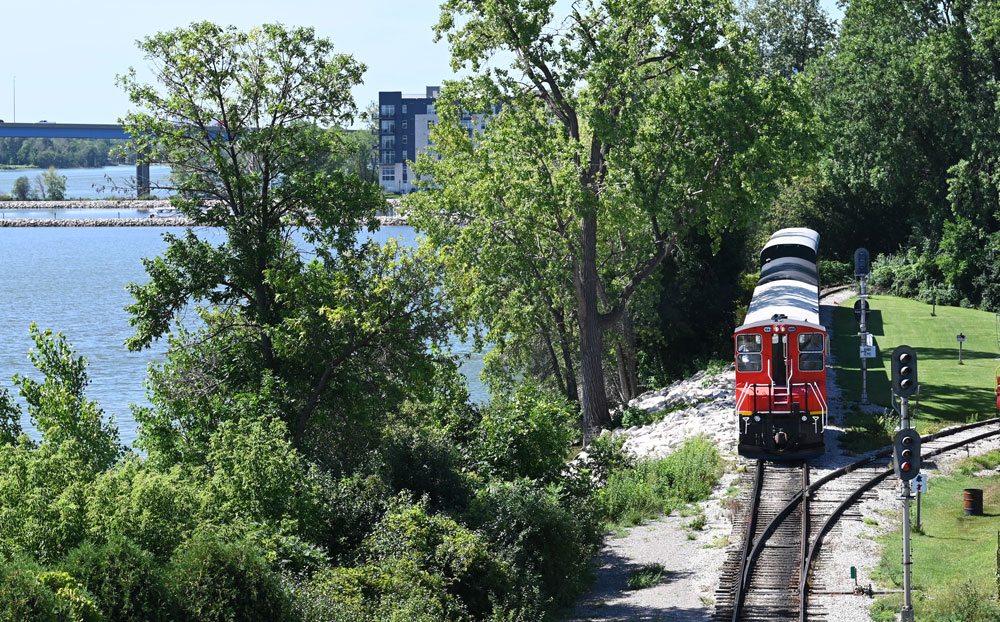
[
  {"x": 702, "y": 404},
  {"x": 95, "y": 222},
  {"x": 124, "y": 204}
]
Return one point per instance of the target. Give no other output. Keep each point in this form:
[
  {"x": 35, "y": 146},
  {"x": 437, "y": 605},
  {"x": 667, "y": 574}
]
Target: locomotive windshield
[
  {"x": 746, "y": 346},
  {"x": 749, "y": 343},
  {"x": 811, "y": 352}
]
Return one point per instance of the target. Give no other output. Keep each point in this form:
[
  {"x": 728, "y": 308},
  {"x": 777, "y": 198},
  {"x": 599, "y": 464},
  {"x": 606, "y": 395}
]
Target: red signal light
[{"x": 905, "y": 467}]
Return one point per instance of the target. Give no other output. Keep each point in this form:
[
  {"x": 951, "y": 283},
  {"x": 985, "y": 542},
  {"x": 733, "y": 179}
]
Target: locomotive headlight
[
  {"x": 756, "y": 417},
  {"x": 805, "y": 418}
]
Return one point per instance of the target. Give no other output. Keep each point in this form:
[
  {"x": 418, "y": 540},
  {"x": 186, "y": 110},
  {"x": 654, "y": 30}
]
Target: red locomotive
[{"x": 781, "y": 351}]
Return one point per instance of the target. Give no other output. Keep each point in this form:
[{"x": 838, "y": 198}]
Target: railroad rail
[{"x": 769, "y": 576}]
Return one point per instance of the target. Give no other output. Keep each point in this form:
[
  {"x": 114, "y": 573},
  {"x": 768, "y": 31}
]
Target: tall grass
[{"x": 651, "y": 488}]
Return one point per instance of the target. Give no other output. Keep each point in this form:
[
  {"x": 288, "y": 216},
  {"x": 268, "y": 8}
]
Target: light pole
[{"x": 961, "y": 340}]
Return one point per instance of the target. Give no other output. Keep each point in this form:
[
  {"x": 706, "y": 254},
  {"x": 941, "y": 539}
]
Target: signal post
[
  {"x": 862, "y": 268},
  {"x": 906, "y": 455}
]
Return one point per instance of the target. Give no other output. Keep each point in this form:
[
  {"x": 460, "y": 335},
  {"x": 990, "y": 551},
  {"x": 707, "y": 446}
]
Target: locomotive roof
[
  {"x": 791, "y": 268},
  {"x": 792, "y": 242},
  {"x": 796, "y": 300}
]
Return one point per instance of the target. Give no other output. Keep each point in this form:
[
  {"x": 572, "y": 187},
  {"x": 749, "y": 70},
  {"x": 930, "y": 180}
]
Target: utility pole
[{"x": 906, "y": 456}]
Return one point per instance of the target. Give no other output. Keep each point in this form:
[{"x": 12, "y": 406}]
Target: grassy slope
[
  {"x": 954, "y": 549},
  {"x": 949, "y": 392}
]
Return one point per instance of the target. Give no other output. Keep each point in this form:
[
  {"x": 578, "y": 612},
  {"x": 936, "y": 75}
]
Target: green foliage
[
  {"x": 614, "y": 154},
  {"x": 79, "y": 606},
  {"x": 54, "y": 184},
  {"x": 22, "y": 189},
  {"x": 835, "y": 273},
  {"x": 645, "y": 576},
  {"x": 654, "y": 487},
  {"x": 123, "y": 578},
  {"x": 257, "y": 476},
  {"x": 57, "y": 152},
  {"x": 526, "y": 434},
  {"x": 635, "y": 416},
  {"x": 217, "y": 581},
  {"x": 788, "y": 34},
  {"x": 156, "y": 510},
  {"x": 24, "y": 597},
  {"x": 542, "y": 534},
  {"x": 58, "y": 407},
  {"x": 424, "y": 462}
]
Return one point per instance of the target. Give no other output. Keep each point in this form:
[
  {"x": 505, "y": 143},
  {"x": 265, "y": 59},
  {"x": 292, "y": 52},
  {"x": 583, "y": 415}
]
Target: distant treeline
[{"x": 60, "y": 152}]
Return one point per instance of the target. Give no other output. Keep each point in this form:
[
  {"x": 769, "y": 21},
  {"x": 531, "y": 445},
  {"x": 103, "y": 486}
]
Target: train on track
[{"x": 781, "y": 352}]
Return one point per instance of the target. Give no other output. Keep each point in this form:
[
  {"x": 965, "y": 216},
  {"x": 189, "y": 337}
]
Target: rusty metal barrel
[{"x": 973, "y": 501}]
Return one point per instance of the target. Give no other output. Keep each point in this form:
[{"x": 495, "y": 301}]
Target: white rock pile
[{"x": 700, "y": 405}]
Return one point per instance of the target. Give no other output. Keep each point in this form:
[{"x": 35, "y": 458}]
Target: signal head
[{"x": 904, "y": 371}]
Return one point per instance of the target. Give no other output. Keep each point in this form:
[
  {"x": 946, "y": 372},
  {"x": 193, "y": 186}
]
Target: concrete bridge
[{"x": 78, "y": 130}]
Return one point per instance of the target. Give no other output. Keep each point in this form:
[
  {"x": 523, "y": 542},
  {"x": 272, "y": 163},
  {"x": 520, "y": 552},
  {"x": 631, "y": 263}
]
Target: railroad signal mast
[
  {"x": 862, "y": 268},
  {"x": 906, "y": 454}
]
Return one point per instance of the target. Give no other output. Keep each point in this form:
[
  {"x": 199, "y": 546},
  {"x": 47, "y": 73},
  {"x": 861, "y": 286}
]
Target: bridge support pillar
[{"x": 142, "y": 179}]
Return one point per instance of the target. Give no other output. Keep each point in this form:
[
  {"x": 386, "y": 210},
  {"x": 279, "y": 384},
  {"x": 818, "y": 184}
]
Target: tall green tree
[
  {"x": 622, "y": 126},
  {"x": 290, "y": 297},
  {"x": 54, "y": 184},
  {"x": 789, "y": 33},
  {"x": 22, "y": 188}
]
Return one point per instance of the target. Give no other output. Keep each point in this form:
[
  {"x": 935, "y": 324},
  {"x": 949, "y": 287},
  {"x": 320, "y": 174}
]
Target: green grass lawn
[
  {"x": 955, "y": 558},
  {"x": 949, "y": 393}
]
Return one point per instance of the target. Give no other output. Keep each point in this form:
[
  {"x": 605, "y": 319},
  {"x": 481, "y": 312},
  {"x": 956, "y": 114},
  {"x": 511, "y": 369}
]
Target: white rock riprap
[{"x": 700, "y": 405}]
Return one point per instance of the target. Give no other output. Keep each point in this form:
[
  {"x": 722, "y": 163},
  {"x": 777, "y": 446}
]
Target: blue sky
[{"x": 65, "y": 53}]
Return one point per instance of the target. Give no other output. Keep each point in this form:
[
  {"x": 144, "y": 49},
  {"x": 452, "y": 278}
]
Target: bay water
[
  {"x": 72, "y": 280},
  {"x": 89, "y": 183}
]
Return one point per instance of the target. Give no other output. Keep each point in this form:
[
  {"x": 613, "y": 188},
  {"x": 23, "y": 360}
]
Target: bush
[
  {"x": 156, "y": 511},
  {"x": 835, "y": 272},
  {"x": 24, "y": 597},
  {"x": 352, "y": 506},
  {"x": 635, "y": 416},
  {"x": 526, "y": 434},
  {"x": 546, "y": 541},
  {"x": 424, "y": 461},
  {"x": 458, "y": 559},
  {"x": 123, "y": 579},
  {"x": 212, "y": 580},
  {"x": 654, "y": 487}
]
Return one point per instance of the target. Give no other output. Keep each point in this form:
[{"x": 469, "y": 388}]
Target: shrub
[
  {"x": 635, "y": 416},
  {"x": 835, "y": 272},
  {"x": 156, "y": 511},
  {"x": 654, "y": 487},
  {"x": 24, "y": 597},
  {"x": 77, "y": 603},
  {"x": 212, "y": 580},
  {"x": 257, "y": 475},
  {"x": 458, "y": 559},
  {"x": 526, "y": 434},
  {"x": 424, "y": 461},
  {"x": 352, "y": 506},
  {"x": 544, "y": 539},
  {"x": 123, "y": 579}
]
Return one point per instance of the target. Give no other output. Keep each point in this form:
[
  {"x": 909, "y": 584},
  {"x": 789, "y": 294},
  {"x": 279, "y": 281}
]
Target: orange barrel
[{"x": 973, "y": 501}]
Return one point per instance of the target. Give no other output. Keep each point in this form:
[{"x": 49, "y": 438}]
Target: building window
[
  {"x": 388, "y": 110},
  {"x": 404, "y": 154},
  {"x": 388, "y": 127},
  {"x": 388, "y": 142},
  {"x": 430, "y": 124},
  {"x": 388, "y": 173},
  {"x": 404, "y": 140},
  {"x": 404, "y": 112},
  {"x": 387, "y": 157},
  {"x": 430, "y": 108},
  {"x": 404, "y": 121},
  {"x": 404, "y": 173}
]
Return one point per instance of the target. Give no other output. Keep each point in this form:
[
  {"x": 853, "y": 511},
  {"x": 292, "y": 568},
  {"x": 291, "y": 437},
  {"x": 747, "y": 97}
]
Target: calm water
[
  {"x": 88, "y": 183},
  {"x": 72, "y": 280}
]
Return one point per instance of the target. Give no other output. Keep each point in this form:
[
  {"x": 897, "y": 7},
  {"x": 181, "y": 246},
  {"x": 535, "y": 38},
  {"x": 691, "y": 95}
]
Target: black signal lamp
[
  {"x": 906, "y": 454},
  {"x": 904, "y": 371}
]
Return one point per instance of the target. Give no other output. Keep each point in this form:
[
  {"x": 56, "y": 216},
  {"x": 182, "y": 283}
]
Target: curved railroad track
[{"x": 785, "y": 520}]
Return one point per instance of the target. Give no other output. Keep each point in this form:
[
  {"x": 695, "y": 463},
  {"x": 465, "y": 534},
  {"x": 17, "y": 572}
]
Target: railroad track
[{"x": 783, "y": 520}]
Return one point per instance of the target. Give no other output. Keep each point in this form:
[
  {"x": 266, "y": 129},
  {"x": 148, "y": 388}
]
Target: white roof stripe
[{"x": 797, "y": 300}]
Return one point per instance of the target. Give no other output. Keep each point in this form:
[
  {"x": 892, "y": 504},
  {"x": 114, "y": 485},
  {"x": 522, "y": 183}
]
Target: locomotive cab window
[
  {"x": 749, "y": 343},
  {"x": 811, "y": 351},
  {"x": 748, "y": 362}
]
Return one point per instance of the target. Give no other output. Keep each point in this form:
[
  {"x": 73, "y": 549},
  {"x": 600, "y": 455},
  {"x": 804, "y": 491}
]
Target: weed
[
  {"x": 871, "y": 522},
  {"x": 698, "y": 523},
  {"x": 882, "y": 611},
  {"x": 718, "y": 542},
  {"x": 646, "y": 576},
  {"x": 692, "y": 536},
  {"x": 707, "y": 601}
]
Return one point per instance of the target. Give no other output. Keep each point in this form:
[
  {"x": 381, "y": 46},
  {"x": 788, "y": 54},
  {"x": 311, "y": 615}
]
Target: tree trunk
[
  {"x": 595, "y": 396},
  {"x": 625, "y": 353}
]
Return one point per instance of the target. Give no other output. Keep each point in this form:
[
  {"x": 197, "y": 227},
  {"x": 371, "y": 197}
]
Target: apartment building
[
  {"x": 404, "y": 122},
  {"x": 404, "y": 126}
]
